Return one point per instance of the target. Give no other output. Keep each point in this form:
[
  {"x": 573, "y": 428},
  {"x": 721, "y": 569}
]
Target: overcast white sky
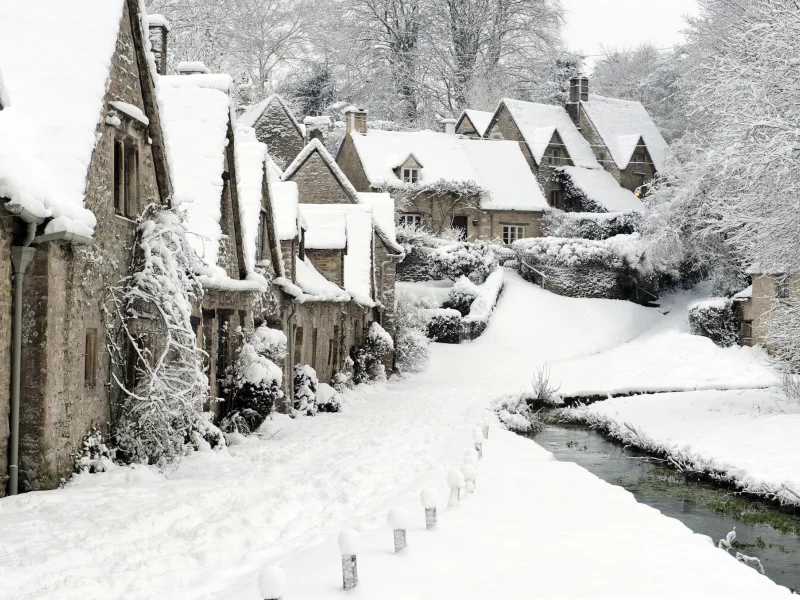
[{"x": 618, "y": 23}]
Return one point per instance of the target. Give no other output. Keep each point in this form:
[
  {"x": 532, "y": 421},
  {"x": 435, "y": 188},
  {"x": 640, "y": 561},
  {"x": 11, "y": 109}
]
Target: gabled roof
[
  {"x": 621, "y": 123},
  {"x": 251, "y": 116},
  {"x": 480, "y": 120},
  {"x": 55, "y": 58},
  {"x": 285, "y": 204},
  {"x": 600, "y": 186},
  {"x": 251, "y": 156},
  {"x": 385, "y": 229},
  {"x": 537, "y": 122},
  {"x": 497, "y": 166}
]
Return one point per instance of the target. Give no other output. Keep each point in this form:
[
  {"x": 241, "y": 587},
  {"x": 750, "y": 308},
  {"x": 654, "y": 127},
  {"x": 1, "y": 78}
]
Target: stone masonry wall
[
  {"x": 504, "y": 128},
  {"x": 276, "y": 130},
  {"x": 316, "y": 183},
  {"x": 764, "y": 290},
  {"x": 466, "y": 129},
  {"x": 6, "y": 307},
  {"x": 64, "y": 297},
  {"x": 330, "y": 263},
  {"x": 350, "y": 164}
]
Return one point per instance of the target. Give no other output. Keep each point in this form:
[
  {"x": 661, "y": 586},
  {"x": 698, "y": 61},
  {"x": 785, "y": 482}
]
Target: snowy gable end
[
  {"x": 473, "y": 123},
  {"x": 45, "y": 149},
  {"x": 277, "y": 127},
  {"x": 593, "y": 190}
]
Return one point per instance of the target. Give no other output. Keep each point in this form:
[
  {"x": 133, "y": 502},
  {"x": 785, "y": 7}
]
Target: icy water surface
[{"x": 761, "y": 530}]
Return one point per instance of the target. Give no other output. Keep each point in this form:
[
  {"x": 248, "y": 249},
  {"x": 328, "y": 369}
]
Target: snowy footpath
[{"x": 535, "y": 528}]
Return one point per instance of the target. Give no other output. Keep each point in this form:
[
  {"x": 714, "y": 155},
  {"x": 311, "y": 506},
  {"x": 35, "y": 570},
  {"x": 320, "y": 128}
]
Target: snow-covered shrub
[
  {"x": 305, "y": 390},
  {"x": 542, "y": 390},
  {"x": 590, "y": 226},
  {"x": 343, "y": 380},
  {"x": 516, "y": 413},
  {"x": 474, "y": 260},
  {"x": 160, "y": 416},
  {"x": 256, "y": 384},
  {"x": 93, "y": 453},
  {"x": 328, "y": 399},
  {"x": 715, "y": 319},
  {"x": 462, "y": 295},
  {"x": 444, "y": 325},
  {"x": 269, "y": 343},
  {"x": 411, "y": 344},
  {"x": 368, "y": 358}
]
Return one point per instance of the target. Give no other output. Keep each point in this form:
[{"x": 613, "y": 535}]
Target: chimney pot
[
  {"x": 187, "y": 67},
  {"x": 158, "y": 28},
  {"x": 448, "y": 126},
  {"x": 356, "y": 119}
]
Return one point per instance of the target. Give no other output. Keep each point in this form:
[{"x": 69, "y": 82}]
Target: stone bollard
[
  {"x": 485, "y": 424},
  {"x": 398, "y": 520},
  {"x": 477, "y": 436},
  {"x": 272, "y": 583},
  {"x": 349, "y": 542},
  {"x": 456, "y": 481},
  {"x": 428, "y": 497},
  {"x": 469, "y": 473}
]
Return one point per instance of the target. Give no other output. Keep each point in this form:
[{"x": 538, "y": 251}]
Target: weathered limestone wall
[
  {"x": 330, "y": 263},
  {"x": 504, "y": 128},
  {"x": 316, "y": 183},
  {"x": 6, "y": 307},
  {"x": 466, "y": 129},
  {"x": 350, "y": 164},
  {"x": 764, "y": 293},
  {"x": 64, "y": 296},
  {"x": 276, "y": 130},
  {"x": 386, "y": 276}
]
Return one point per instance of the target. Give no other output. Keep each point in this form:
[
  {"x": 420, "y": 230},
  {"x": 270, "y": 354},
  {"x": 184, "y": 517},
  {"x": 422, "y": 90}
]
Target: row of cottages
[{"x": 73, "y": 183}]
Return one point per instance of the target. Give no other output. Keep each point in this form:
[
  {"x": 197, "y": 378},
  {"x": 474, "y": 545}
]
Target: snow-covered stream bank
[{"x": 204, "y": 530}]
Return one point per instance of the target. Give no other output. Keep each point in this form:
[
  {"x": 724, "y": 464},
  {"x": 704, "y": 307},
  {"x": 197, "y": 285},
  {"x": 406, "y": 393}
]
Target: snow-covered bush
[
  {"x": 93, "y": 453},
  {"x": 305, "y": 390},
  {"x": 474, "y": 260},
  {"x": 343, "y": 380},
  {"x": 368, "y": 358},
  {"x": 160, "y": 416},
  {"x": 269, "y": 343},
  {"x": 328, "y": 399},
  {"x": 411, "y": 344},
  {"x": 444, "y": 325},
  {"x": 256, "y": 383},
  {"x": 462, "y": 295},
  {"x": 590, "y": 226},
  {"x": 715, "y": 319},
  {"x": 515, "y": 412}
]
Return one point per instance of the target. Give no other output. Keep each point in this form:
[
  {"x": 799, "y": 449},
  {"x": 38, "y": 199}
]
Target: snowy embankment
[
  {"x": 665, "y": 358},
  {"x": 748, "y": 438},
  {"x": 534, "y": 528},
  {"x": 204, "y": 530}
]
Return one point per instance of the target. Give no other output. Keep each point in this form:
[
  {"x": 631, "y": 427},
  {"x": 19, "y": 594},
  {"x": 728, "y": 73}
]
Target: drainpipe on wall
[{"x": 21, "y": 257}]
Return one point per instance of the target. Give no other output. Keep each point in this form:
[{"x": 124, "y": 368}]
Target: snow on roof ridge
[
  {"x": 251, "y": 161},
  {"x": 556, "y": 116},
  {"x": 253, "y": 114},
  {"x": 214, "y": 81},
  {"x": 480, "y": 119}
]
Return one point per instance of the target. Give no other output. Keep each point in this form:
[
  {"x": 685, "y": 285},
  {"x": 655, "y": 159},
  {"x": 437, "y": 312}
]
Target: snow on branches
[{"x": 163, "y": 387}]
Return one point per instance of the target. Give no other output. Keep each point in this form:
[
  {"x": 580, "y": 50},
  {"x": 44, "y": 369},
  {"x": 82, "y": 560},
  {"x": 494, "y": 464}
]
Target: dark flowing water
[{"x": 762, "y": 530}]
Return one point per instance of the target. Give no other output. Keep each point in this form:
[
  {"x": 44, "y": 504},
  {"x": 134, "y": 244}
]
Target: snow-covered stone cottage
[
  {"x": 473, "y": 123},
  {"x": 277, "y": 127},
  {"x": 81, "y": 153},
  {"x": 441, "y": 180}
]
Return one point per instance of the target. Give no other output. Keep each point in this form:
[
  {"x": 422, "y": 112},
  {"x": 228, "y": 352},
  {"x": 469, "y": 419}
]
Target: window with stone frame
[
  {"x": 553, "y": 156},
  {"x": 90, "y": 358},
  {"x": 782, "y": 286},
  {"x": 512, "y": 233},
  {"x": 126, "y": 176},
  {"x": 557, "y": 199},
  {"x": 410, "y": 175},
  {"x": 637, "y": 162},
  {"x": 410, "y": 219},
  {"x": 747, "y": 331}
]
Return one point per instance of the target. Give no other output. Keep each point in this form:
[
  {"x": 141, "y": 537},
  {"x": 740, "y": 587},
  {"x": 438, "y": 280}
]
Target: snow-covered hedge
[
  {"x": 410, "y": 341},
  {"x": 462, "y": 295},
  {"x": 613, "y": 268},
  {"x": 444, "y": 325},
  {"x": 474, "y": 324},
  {"x": 590, "y": 226},
  {"x": 715, "y": 319},
  {"x": 368, "y": 359}
]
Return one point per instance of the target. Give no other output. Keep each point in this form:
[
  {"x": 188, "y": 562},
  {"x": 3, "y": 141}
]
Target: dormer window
[
  {"x": 410, "y": 175},
  {"x": 554, "y": 156},
  {"x": 637, "y": 162}
]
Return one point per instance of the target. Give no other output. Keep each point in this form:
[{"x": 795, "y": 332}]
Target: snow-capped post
[
  {"x": 398, "y": 519},
  {"x": 471, "y": 457},
  {"x": 469, "y": 473},
  {"x": 477, "y": 436},
  {"x": 485, "y": 423},
  {"x": 349, "y": 543},
  {"x": 428, "y": 497},
  {"x": 272, "y": 583},
  {"x": 456, "y": 481}
]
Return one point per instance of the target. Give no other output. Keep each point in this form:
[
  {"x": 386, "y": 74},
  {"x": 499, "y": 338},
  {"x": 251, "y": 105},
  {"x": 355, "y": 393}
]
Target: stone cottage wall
[
  {"x": 6, "y": 307},
  {"x": 316, "y": 183},
  {"x": 276, "y": 130},
  {"x": 330, "y": 263},
  {"x": 350, "y": 164},
  {"x": 754, "y": 309},
  {"x": 504, "y": 128},
  {"x": 64, "y": 296}
]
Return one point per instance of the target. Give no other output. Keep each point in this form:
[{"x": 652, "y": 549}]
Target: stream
[{"x": 762, "y": 529}]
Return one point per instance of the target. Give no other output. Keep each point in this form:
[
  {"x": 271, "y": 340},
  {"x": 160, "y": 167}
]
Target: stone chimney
[
  {"x": 578, "y": 92},
  {"x": 158, "y": 29},
  {"x": 317, "y": 128},
  {"x": 356, "y": 119},
  {"x": 187, "y": 67},
  {"x": 448, "y": 126}
]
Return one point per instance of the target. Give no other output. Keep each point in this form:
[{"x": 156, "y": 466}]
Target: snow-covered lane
[{"x": 208, "y": 526}]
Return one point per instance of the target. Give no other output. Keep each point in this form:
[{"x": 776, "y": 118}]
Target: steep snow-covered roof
[
  {"x": 285, "y": 204},
  {"x": 195, "y": 121},
  {"x": 480, "y": 119},
  {"x": 253, "y": 114},
  {"x": 336, "y": 226},
  {"x": 621, "y": 123},
  {"x": 497, "y": 166},
  {"x": 600, "y": 186},
  {"x": 250, "y": 161},
  {"x": 55, "y": 58},
  {"x": 382, "y": 205},
  {"x": 537, "y": 122},
  {"x": 314, "y": 287}
]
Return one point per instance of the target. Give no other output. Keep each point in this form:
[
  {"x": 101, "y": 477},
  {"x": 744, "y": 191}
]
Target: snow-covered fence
[
  {"x": 349, "y": 545},
  {"x": 477, "y": 437},
  {"x": 715, "y": 319},
  {"x": 272, "y": 583}
]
